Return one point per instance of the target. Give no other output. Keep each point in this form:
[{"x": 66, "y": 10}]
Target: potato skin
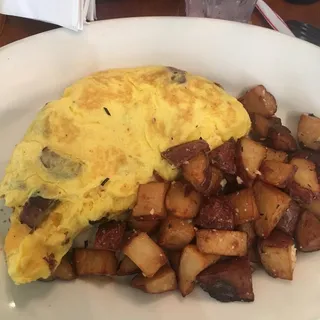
[
  {"x": 280, "y": 138},
  {"x": 224, "y": 157},
  {"x": 308, "y": 232},
  {"x": 228, "y": 280},
  {"x": 289, "y": 220},
  {"x": 217, "y": 213},
  {"x": 182, "y": 153},
  {"x": 259, "y": 100},
  {"x": 110, "y": 235}
]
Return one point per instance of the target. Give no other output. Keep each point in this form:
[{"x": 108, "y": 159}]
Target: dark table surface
[{"x": 15, "y": 28}]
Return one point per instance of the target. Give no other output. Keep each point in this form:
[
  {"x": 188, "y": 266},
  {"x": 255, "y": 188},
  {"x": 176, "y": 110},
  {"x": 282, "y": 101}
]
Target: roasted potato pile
[{"x": 247, "y": 203}]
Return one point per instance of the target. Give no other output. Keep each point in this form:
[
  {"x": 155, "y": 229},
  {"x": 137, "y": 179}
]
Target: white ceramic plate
[{"x": 36, "y": 70}]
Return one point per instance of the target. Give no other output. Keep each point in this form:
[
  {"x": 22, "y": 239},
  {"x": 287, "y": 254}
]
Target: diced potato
[
  {"x": 314, "y": 207},
  {"x": 163, "y": 281},
  {"x": 216, "y": 182},
  {"x": 150, "y": 204},
  {"x": 192, "y": 262},
  {"x": 249, "y": 156},
  {"x": 198, "y": 172},
  {"x": 308, "y": 232},
  {"x": 248, "y": 227},
  {"x": 148, "y": 226},
  {"x": 310, "y": 155},
  {"x": 127, "y": 267},
  {"x": 272, "y": 204},
  {"x": 216, "y": 214},
  {"x": 309, "y": 131},
  {"x": 109, "y": 236},
  {"x": 174, "y": 259},
  {"x": 64, "y": 271},
  {"x": 289, "y": 220},
  {"x": 145, "y": 253},
  {"x": 259, "y": 100},
  {"x": 228, "y": 280},
  {"x": 182, "y": 153},
  {"x": 90, "y": 262},
  {"x": 276, "y": 155},
  {"x": 182, "y": 201},
  {"x": 245, "y": 207},
  {"x": 261, "y": 125},
  {"x": 278, "y": 174},
  {"x": 224, "y": 157},
  {"x": 175, "y": 233},
  {"x": 278, "y": 255},
  {"x": 280, "y": 138},
  {"x": 304, "y": 187},
  {"x": 221, "y": 242}
]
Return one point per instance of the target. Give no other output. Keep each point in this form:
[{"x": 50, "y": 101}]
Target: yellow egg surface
[{"x": 112, "y": 124}]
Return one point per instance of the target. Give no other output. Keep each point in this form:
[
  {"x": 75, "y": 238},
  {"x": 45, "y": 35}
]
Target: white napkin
[{"x": 70, "y": 14}]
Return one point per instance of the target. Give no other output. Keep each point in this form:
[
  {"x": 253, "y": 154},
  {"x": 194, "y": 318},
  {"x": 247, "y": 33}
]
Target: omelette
[{"x": 85, "y": 155}]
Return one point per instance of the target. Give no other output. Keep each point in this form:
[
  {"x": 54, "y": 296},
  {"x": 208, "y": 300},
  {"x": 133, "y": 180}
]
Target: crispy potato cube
[
  {"x": 182, "y": 202},
  {"x": 145, "y": 253},
  {"x": 109, "y": 236},
  {"x": 308, "y": 232},
  {"x": 304, "y": 187},
  {"x": 221, "y": 242},
  {"x": 310, "y": 155},
  {"x": 309, "y": 131},
  {"x": 192, "y": 262},
  {"x": 259, "y": 100},
  {"x": 215, "y": 183},
  {"x": 280, "y": 138},
  {"x": 174, "y": 259},
  {"x": 64, "y": 271},
  {"x": 272, "y": 204},
  {"x": 148, "y": 226},
  {"x": 182, "y": 153},
  {"x": 278, "y": 174},
  {"x": 276, "y": 155},
  {"x": 198, "y": 172},
  {"x": 313, "y": 207},
  {"x": 216, "y": 214},
  {"x": 224, "y": 157},
  {"x": 278, "y": 255},
  {"x": 228, "y": 280},
  {"x": 163, "y": 281},
  {"x": 90, "y": 262},
  {"x": 150, "y": 203},
  {"x": 289, "y": 220},
  {"x": 248, "y": 227},
  {"x": 260, "y": 125},
  {"x": 249, "y": 156},
  {"x": 244, "y": 205},
  {"x": 175, "y": 233},
  {"x": 127, "y": 267}
]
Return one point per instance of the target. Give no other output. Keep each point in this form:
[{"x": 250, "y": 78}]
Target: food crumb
[
  {"x": 223, "y": 183},
  {"x": 152, "y": 211},
  {"x": 239, "y": 180}
]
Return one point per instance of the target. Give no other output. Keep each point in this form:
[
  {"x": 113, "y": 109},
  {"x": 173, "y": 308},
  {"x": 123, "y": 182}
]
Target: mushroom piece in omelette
[{"x": 85, "y": 155}]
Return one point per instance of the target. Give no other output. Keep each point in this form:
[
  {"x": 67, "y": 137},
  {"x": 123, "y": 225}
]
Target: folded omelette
[{"x": 84, "y": 155}]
